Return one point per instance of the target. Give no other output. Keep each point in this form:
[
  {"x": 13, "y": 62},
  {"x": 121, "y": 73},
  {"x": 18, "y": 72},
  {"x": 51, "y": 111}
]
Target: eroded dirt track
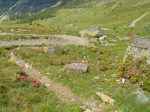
[
  {"x": 61, "y": 91},
  {"x": 55, "y": 40},
  {"x": 134, "y": 22}
]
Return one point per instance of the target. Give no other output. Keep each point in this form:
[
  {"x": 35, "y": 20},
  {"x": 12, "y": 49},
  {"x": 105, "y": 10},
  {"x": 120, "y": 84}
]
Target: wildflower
[
  {"x": 144, "y": 75},
  {"x": 135, "y": 68},
  {"x": 36, "y": 84},
  {"x": 23, "y": 77},
  {"x": 130, "y": 73}
]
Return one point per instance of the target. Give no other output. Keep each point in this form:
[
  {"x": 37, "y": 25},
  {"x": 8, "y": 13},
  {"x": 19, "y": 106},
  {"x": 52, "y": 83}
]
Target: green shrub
[
  {"x": 3, "y": 99},
  {"x": 3, "y": 95},
  {"x": 137, "y": 71}
]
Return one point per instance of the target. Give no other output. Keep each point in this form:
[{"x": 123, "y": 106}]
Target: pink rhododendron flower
[{"x": 135, "y": 68}]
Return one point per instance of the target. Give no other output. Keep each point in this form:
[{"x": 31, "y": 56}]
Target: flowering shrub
[
  {"x": 23, "y": 76},
  {"x": 27, "y": 79},
  {"x": 137, "y": 71},
  {"x": 36, "y": 84}
]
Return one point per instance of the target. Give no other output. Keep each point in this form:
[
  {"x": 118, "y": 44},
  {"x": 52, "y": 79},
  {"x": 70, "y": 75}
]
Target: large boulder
[
  {"x": 91, "y": 32},
  {"x": 78, "y": 66},
  {"x": 139, "y": 48}
]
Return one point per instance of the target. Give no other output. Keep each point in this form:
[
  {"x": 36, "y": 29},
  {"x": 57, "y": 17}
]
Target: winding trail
[
  {"x": 61, "y": 91},
  {"x": 115, "y": 5},
  {"x": 54, "y": 40},
  {"x": 134, "y": 22}
]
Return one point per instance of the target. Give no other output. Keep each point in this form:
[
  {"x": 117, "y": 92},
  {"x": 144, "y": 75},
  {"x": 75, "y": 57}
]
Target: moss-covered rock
[{"x": 139, "y": 48}]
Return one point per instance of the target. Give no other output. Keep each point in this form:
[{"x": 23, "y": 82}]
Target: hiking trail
[
  {"x": 134, "y": 22},
  {"x": 54, "y": 40},
  {"x": 61, "y": 91}
]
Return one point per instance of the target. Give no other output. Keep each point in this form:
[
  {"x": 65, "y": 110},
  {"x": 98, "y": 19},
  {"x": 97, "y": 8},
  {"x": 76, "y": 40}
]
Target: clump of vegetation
[
  {"x": 19, "y": 95},
  {"x": 27, "y": 18},
  {"x": 106, "y": 59},
  {"x": 3, "y": 95},
  {"x": 137, "y": 71}
]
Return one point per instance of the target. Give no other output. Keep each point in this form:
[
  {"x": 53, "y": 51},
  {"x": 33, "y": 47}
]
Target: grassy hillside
[
  {"x": 21, "y": 96},
  {"x": 124, "y": 13},
  {"x": 72, "y": 20},
  {"x": 75, "y": 15}
]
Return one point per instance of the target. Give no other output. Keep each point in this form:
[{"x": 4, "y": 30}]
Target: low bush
[
  {"x": 3, "y": 95},
  {"x": 137, "y": 71}
]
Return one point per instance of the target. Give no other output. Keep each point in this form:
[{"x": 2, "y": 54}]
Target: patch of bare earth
[{"x": 54, "y": 40}]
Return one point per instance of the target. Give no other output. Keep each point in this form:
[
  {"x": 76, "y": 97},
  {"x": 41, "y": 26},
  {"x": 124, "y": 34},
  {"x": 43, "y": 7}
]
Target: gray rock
[
  {"x": 10, "y": 56},
  {"x": 78, "y": 66},
  {"x": 51, "y": 49},
  {"x": 141, "y": 98},
  {"x": 139, "y": 48},
  {"x": 141, "y": 43},
  {"x": 103, "y": 40},
  {"x": 88, "y": 110},
  {"x": 91, "y": 32},
  {"x": 70, "y": 25},
  {"x": 124, "y": 38},
  {"x": 105, "y": 98}
]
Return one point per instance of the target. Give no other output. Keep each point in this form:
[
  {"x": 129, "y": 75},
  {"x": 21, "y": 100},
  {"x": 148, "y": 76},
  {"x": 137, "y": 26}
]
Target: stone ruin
[{"x": 139, "y": 48}]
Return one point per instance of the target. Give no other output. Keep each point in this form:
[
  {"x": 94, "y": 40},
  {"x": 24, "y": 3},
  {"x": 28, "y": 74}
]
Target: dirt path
[
  {"x": 3, "y": 33},
  {"x": 56, "y": 39},
  {"x": 115, "y": 5},
  {"x": 61, "y": 91},
  {"x": 134, "y": 22}
]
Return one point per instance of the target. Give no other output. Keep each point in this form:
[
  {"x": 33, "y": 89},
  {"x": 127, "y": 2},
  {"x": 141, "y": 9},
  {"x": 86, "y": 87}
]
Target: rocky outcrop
[
  {"x": 91, "y": 32},
  {"x": 95, "y": 34},
  {"x": 139, "y": 48}
]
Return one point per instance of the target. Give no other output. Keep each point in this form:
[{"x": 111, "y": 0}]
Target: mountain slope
[
  {"x": 30, "y": 5},
  {"x": 35, "y": 5},
  {"x": 15, "y": 8}
]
